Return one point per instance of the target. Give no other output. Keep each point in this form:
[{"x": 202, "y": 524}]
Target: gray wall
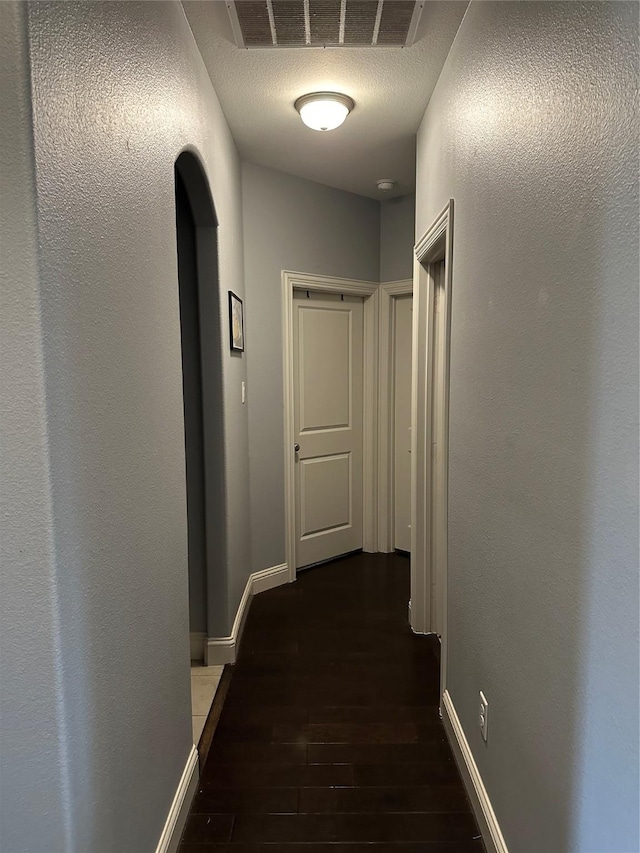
[
  {"x": 397, "y": 225},
  {"x": 291, "y": 224},
  {"x": 95, "y": 683},
  {"x": 532, "y": 131},
  {"x": 31, "y": 708}
]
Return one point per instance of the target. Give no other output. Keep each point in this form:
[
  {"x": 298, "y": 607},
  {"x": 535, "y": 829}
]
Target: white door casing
[
  {"x": 389, "y": 292},
  {"x": 439, "y": 395},
  {"x": 403, "y": 320},
  {"x": 369, "y": 292},
  {"x": 430, "y": 425},
  {"x": 328, "y": 418}
]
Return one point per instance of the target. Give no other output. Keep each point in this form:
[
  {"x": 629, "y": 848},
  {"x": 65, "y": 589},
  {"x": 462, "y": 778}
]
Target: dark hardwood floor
[{"x": 329, "y": 740}]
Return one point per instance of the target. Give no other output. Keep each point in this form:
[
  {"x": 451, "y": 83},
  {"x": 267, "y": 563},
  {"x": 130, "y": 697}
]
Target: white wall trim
[
  {"x": 389, "y": 291},
  {"x": 330, "y": 284},
  {"x": 433, "y": 234},
  {"x": 476, "y": 791},
  {"x": 269, "y": 578},
  {"x": 369, "y": 291},
  {"x": 401, "y": 287},
  {"x": 222, "y": 650},
  {"x": 197, "y": 639},
  {"x": 179, "y": 810},
  {"x": 435, "y": 244},
  {"x": 370, "y": 422}
]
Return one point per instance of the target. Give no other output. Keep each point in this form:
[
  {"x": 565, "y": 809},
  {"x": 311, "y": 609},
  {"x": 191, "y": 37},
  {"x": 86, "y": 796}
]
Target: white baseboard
[
  {"x": 197, "y": 640},
  {"x": 222, "y": 650},
  {"x": 179, "y": 810},
  {"x": 269, "y": 578},
  {"x": 476, "y": 791}
]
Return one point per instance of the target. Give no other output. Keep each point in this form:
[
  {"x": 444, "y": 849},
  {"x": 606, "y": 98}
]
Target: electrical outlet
[{"x": 484, "y": 716}]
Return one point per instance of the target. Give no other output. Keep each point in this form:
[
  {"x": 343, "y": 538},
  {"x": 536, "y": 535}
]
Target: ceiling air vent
[{"x": 324, "y": 23}]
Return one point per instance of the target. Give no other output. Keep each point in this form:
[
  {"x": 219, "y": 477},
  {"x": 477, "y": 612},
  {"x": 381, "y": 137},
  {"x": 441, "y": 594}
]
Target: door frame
[
  {"x": 369, "y": 291},
  {"x": 389, "y": 292},
  {"x": 435, "y": 245}
]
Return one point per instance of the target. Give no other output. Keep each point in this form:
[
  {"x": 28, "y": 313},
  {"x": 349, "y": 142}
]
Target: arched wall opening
[{"x": 200, "y": 329}]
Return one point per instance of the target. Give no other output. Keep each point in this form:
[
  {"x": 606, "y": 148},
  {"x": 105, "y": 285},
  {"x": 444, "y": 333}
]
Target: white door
[
  {"x": 403, "y": 322},
  {"x": 328, "y": 409}
]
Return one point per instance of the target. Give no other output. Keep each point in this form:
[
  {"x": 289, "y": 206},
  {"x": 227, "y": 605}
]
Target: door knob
[{"x": 296, "y": 447}]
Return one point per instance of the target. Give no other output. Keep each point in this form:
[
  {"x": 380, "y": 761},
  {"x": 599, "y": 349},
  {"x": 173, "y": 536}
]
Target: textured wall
[
  {"x": 290, "y": 224},
  {"x": 31, "y": 709},
  {"x": 532, "y": 131},
  {"x": 397, "y": 224},
  {"x": 118, "y": 90}
]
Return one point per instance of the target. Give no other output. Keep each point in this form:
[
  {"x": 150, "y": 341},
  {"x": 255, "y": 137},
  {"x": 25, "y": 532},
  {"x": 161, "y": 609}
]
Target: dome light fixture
[{"x": 324, "y": 110}]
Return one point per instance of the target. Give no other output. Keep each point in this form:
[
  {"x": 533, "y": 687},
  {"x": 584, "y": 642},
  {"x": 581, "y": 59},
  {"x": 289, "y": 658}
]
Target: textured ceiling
[{"x": 391, "y": 88}]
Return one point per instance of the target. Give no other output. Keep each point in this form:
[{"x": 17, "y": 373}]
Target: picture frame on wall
[{"x": 236, "y": 322}]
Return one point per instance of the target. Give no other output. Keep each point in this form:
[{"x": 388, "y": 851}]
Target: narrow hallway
[{"x": 330, "y": 740}]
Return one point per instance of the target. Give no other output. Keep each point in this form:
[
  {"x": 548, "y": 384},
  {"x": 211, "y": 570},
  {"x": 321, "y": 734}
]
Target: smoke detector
[{"x": 385, "y": 185}]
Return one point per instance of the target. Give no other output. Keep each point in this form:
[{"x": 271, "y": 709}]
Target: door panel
[
  {"x": 403, "y": 321},
  {"x": 325, "y": 494},
  {"x": 324, "y": 349},
  {"x": 328, "y": 375}
]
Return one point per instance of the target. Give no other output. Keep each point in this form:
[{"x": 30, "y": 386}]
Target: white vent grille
[{"x": 324, "y": 23}]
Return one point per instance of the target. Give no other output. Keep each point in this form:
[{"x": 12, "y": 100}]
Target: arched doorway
[{"x": 196, "y": 234}]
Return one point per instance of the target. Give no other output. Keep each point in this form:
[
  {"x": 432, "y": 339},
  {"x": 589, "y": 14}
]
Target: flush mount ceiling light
[{"x": 324, "y": 110}]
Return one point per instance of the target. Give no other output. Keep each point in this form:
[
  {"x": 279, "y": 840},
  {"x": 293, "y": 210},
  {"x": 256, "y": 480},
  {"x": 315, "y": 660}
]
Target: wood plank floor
[{"x": 329, "y": 740}]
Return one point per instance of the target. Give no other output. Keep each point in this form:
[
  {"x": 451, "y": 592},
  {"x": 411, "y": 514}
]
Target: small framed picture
[{"x": 236, "y": 322}]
